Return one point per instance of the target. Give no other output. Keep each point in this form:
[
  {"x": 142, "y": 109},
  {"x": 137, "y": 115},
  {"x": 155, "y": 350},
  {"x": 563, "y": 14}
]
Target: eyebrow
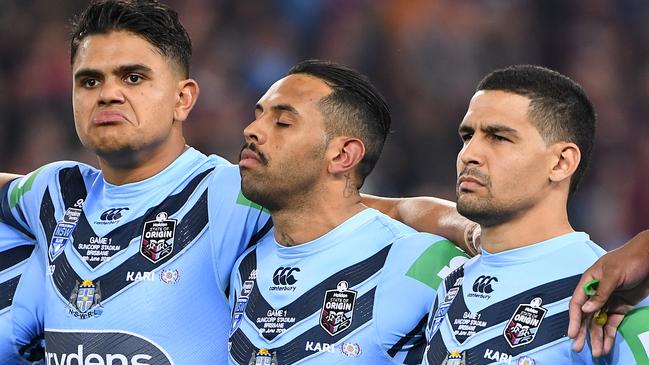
[
  {"x": 491, "y": 129},
  {"x": 121, "y": 70},
  {"x": 279, "y": 107}
]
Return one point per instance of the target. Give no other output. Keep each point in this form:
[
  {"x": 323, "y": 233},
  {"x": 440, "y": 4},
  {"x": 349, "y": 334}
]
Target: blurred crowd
[{"x": 425, "y": 55}]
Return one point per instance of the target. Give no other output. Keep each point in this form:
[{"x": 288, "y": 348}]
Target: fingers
[
  {"x": 580, "y": 337},
  {"x": 596, "y": 338},
  {"x": 575, "y": 315},
  {"x": 610, "y": 329},
  {"x": 597, "y": 301},
  {"x": 579, "y": 298}
]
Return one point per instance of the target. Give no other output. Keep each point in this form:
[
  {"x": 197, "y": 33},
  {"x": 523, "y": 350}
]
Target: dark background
[{"x": 426, "y": 56}]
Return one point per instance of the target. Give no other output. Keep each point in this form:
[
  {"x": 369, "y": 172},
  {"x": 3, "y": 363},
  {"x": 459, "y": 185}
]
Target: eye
[
  {"x": 134, "y": 79},
  {"x": 89, "y": 83},
  {"x": 499, "y": 138},
  {"x": 466, "y": 136},
  {"x": 283, "y": 124}
]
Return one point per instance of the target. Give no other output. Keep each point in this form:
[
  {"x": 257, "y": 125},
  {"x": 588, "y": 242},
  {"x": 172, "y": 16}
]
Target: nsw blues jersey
[
  {"x": 512, "y": 308},
  {"x": 359, "y": 294},
  {"x": 15, "y": 249},
  {"x": 135, "y": 273}
]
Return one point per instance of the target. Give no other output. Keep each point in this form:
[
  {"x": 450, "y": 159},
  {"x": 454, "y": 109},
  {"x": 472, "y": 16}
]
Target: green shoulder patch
[
  {"x": 20, "y": 189},
  {"x": 635, "y": 330},
  {"x": 242, "y": 200},
  {"x": 437, "y": 261}
]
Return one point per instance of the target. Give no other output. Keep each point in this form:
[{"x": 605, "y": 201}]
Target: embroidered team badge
[
  {"x": 350, "y": 349},
  {"x": 263, "y": 357},
  {"x": 455, "y": 357},
  {"x": 85, "y": 300},
  {"x": 524, "y": 323},
  {"x": 157, "y": 240},
  {"x": 338, "y": 309},
  {"x": 169, "y": 276},
  {"x": 526, "y": 361},
  {"x": 64, "y": 229}
]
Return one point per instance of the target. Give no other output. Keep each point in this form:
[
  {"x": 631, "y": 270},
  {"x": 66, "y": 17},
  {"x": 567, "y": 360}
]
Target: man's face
[
  {"x": 504, "y": 163},
  {"x": 283, "y": 158},
  {"x": 124, "y": 94}
]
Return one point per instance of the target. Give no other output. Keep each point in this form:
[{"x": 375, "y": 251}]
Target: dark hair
[
  {"x": 149, "y": 19},
  {"x": 559, "y": 107},
  {"x": 355, "y": 107}
]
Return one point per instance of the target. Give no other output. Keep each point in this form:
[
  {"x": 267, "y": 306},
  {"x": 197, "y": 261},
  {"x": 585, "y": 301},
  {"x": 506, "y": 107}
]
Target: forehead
[
  {"x": 498, "y": 107},
  {"x": 108, "y": 50},
  {"x": 298, "y": 90}
]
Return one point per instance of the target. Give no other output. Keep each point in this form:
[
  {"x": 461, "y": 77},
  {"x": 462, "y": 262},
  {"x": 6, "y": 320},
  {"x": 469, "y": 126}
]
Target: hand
[{"x": 624, "y": 282}]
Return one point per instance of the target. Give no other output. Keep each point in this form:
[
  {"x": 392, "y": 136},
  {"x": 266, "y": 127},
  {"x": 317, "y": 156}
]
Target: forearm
[{"x": 427, "y": 214}]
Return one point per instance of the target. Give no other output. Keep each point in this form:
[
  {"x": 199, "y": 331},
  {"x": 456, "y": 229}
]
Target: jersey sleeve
[
  {"x": 20, "y": 199},
  {"x": 15, "y": 251},
  {"x": 414, "y": 270},
  {"x": 235, "y": 222},
  {"x": 632, "y": 339},
  {"x": 27, "y": 309}
]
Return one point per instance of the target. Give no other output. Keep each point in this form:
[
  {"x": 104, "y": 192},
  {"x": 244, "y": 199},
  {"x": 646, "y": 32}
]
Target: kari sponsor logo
[{"x": 319, "y": 347}]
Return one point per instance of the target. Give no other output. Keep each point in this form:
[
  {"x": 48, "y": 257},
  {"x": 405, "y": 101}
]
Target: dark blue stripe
[
  {"x": 14, "y": 256},
  {"x": 124, "y": 234},
  {"x": 294, "y": 351},
  {"x": 552, "y": 329},
  {"x": 311, "y": 301},
  {"x": 415, "y": 337},
  {"x": 7, "y": 290},
  {"x": 5, "y": 212},
  {"x": 188, "y": 229},
  {"x": 499, "y": 312}
]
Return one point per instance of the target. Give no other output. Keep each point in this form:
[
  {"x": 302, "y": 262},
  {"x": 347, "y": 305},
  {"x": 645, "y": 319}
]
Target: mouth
[
  {"x": 248, "y": 158},
  {"x": 109, "y": 117},
  {"x": 467, "y": 183}
]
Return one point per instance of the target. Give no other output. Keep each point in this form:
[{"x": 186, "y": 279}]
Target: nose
[
  {"x": 471, "y": 153},
  {"x": 253, "y": 133},
  {"x": 111, "y": 92}
]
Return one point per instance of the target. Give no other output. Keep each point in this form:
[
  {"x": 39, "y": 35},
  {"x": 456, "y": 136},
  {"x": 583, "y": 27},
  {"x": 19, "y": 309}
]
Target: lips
[
  {"x": 248, "y": 158},
  {"x": 109, "y": 117},
  {"x": 466, "y": 182}
]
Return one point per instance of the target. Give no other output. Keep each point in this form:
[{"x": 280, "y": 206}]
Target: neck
[
  {"x": 534, "y": 226},
  {"x": 129, "y": 167},
  {"x": 309, "y": 219}
]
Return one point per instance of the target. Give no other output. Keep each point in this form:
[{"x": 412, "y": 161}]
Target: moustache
[
  {"x": 476, "y": 174},
  {"x": 253, "y": 147}
]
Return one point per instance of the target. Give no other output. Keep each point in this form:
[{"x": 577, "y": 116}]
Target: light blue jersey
[
  {"x": 360, "y": 294},
  {"x": 512, "y": 308},
  {"x": 134, "y": 274},
  {"x": 15, "y": 250}
]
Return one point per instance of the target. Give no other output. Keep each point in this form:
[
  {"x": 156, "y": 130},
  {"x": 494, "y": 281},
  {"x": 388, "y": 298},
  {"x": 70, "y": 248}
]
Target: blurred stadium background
[{"x": 425, "y": 55}]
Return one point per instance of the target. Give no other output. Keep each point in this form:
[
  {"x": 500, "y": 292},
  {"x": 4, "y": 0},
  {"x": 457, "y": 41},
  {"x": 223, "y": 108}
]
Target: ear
[
  {"x": 567, "y": 157},
  {"x": 186, "y": 97},
  {"x": 345, "y": 153}
]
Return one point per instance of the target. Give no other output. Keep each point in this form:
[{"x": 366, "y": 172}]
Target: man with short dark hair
[
  {"x": 527, "y": 136},
  {"x": 134, "y": 257},
  {"x": 335, "y": 282}
]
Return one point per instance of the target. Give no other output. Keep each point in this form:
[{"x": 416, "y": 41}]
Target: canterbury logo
[
  {"x": 284, "y": 276},
  {"x": 483, "y": 284},
  {"x": 112, "y": 214}
]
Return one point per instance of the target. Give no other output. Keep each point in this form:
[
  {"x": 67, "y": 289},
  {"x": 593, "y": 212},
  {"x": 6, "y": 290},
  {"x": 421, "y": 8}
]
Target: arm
[
  {"x": 5, "y": 178},
  {"x": 429, "y": 214},
  {"x": 624, "y": 282}
]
